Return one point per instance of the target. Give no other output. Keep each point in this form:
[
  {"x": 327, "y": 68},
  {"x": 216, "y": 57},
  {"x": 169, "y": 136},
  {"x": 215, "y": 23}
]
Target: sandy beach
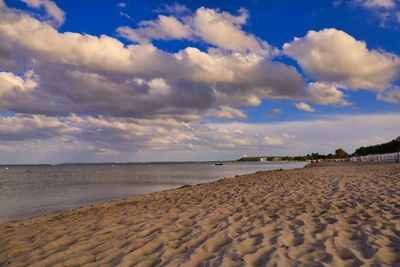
[{"x": 334, "y": 214}]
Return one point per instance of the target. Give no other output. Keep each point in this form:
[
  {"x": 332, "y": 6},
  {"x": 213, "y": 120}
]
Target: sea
[{"x": 34, "y": 190}]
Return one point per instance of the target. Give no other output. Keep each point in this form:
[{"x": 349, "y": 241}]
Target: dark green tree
[
  {"x": 340, "y": 153},
  {"x": 389, "y": 147}
]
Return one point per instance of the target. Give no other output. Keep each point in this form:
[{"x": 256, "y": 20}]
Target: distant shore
[{"x": 337, "y": 213}]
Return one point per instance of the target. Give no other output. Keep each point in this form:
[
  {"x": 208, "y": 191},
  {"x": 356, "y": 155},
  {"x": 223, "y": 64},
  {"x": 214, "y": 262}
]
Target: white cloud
[
  {"x": 122, "y": 4},
  {"x": 384, "y": 10},
  {"x": 70, "y": 91},
  {"x": 334, "y": 56},
  {"x": 56, "y": 15},
  {"x": 322, "y": 135},
  {"x": 21, "y": 94},
  {"x": 378, "y": 3},
  {"x": 227, "y": 113},
  {"x": 101, "y": 138},
  {"x": 9, "y": 82},
  {"x": 165, "y": 28},
  {"x": 273, "y": 140},
  {"x": 224, "y": 30},
  {"x": 305, "y": 107},
  {"x": 217, "y": 28},
  {"x": 135, "y": 98},
  {"x": 176, "y": 8},
  {"x": 33, "y": 127},
  {"x": 24, "y": 36},
  {"x": 326, "y": 94},
  {"x": 391, "y": 95},
  {"x": 78, "y": 74}
]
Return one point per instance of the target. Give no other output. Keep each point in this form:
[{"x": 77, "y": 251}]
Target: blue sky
[{"x": 90, "y": 81}]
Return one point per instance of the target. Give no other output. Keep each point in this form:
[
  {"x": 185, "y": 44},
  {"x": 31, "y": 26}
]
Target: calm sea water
[{"x": 27, "y": 191}]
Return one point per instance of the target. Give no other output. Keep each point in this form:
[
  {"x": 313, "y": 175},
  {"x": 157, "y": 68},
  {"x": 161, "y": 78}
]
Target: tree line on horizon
[
  {"x": 339, "y": 154},
  {"x": 389, "y": 147}
]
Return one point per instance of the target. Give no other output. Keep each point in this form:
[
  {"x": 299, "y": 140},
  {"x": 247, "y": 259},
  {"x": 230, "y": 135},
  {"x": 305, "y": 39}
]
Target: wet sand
[{"x": 334, "y": 214}]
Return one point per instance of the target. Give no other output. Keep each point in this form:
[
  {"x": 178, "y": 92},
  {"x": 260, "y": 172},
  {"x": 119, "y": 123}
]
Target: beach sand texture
[{"x": 335, "y": 214}]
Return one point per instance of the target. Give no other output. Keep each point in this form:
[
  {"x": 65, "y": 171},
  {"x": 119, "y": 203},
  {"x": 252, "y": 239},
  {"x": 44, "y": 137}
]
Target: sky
[{"x": 101, "y": 81}]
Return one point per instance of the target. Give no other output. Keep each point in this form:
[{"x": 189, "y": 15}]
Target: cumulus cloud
[
  {"x": 93, "y": 96},
  {"x": 227, "y": 113},
  {"x": 24, "y": 36},
  {"x": 260, "y": 77},
  {"x": 334, "y": 56},
  {"x": 224, "y": 30},
  {"x": 20, "y": 94},
  {"x": 78, "y": 74},
  {"x": 391, "y": 95},
  {"x": 56, "y": 15},
  {"x": 325, "y": 94},
  {"x": 165, "y": 28},
  {"x": 9, "y": 81},
  {"x": 220, "y": 29},
  {"x": 305, "y": 107},
  {"x": 33, "y": 127}
]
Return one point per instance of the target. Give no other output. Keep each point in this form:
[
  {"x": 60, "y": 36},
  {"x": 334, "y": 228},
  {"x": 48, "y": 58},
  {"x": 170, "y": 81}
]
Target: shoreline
[
  {"x": 136, "y": 188},
  {"x": 350, "y": 210},
  {"x": 140, "y": 195}
]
